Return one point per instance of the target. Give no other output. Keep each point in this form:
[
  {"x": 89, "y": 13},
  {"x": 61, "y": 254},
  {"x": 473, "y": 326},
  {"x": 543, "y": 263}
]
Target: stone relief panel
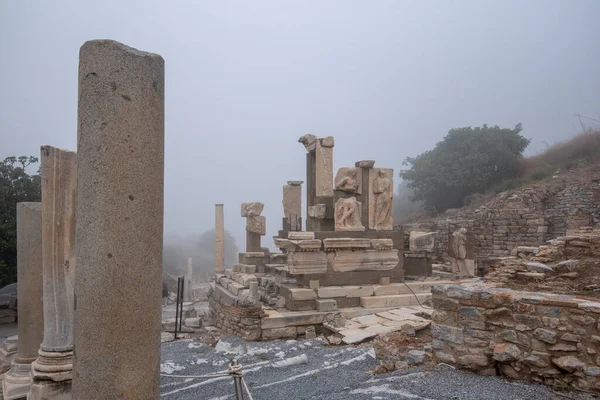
[
  {"x": 347, "y": 215},
  {"x": 257, "y": 224},
  {"x": 460, "y": 251},
  {"x": 381, "y": 188},
  {"x": 252, "y": 209},
  {"x": 349, "y": 180},
  {"x": 422, "y": 241}
]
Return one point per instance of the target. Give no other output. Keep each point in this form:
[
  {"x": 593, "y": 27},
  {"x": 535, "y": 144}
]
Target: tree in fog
[{"x": 468, "y": 160}]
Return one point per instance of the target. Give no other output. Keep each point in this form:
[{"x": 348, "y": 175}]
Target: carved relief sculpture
[
  {"x": 347, "y": 215},
  {"x": 348, "y": 180},
  {"x": 383, "y": 192},
  {"x": 461, "y": 267}
]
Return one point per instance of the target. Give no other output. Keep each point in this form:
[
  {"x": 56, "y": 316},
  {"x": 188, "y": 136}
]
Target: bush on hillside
[{"x": 468, "y": 160}]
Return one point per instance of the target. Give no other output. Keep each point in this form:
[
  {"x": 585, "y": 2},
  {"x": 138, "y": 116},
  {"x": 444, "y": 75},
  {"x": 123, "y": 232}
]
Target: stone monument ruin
[{"x": 349, "y": 260}]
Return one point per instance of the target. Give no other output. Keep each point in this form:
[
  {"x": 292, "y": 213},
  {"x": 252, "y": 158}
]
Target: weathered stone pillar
[
  {"x": 256, "y": 225},
  {"x": 17, "y": 381},
  {"x": 292, "y": 206},
  {"x": 219, "y": 239},
  {"x": 119, "y": 222},
  {"x": 52, "y": 371},
  {"x": 189, "y": 290}
]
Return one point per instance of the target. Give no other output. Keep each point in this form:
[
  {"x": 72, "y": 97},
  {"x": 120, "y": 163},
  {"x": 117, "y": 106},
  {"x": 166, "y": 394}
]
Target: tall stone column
[
  {"x": 119, "y": 222},
  {"x": 219, "y": 239},
  {"x": 189, "y": 290},
  {"x": 17, "y": 381},
  {"x": 52, "y": 371}
]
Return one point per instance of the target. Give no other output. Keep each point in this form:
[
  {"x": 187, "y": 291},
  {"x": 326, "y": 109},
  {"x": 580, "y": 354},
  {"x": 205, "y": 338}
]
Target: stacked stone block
[{"x": 552, "y": 339}]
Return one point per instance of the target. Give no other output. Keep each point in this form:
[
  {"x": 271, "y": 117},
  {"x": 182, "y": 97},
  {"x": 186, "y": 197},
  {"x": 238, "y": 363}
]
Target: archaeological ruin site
[{"x": 505, "y": 289}]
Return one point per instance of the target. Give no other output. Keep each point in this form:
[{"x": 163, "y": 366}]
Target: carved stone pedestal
[
  {"x": 44, "y": 390},
  {"x": 52, "y": 373},
  {"x": 17, "y": 381}
]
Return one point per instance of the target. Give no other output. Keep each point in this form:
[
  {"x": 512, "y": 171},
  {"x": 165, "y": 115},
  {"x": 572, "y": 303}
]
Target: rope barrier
[{"x": 234, "y": 370}]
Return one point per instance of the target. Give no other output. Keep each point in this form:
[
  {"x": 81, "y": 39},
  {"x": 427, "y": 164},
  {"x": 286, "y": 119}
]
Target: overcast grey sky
[{"x": 245, "y": 79}]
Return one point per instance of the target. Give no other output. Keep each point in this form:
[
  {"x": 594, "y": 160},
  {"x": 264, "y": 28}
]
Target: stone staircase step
[{"x": 398, "y": 300}]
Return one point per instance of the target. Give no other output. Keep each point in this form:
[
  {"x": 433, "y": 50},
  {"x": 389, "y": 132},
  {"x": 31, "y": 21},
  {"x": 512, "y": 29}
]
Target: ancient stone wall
[
  {"x": 573, "y": 207},
  {"x": 233, "y": 318},
  {"x": 527, "y": 218},
  {"x": 552, "y": 339}
]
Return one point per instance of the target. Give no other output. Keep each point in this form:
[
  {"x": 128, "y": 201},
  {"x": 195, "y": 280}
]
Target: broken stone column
[
  {"x": 292, "y": 206},
  {"x": 52, "y": 371},
  {"x": 255, "y": 225},
  {"x": 319, "y": 180},
  {"x": 30, "y": 291},
  {"x": 219, "y": 239},
  {"x": 119, "y": 222}
]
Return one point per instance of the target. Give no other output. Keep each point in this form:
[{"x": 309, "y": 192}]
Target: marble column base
[
  {"x": 54, "y": 366},
  {"x": 44, "y": 390},
  {"x": 52, "y": 373},
  {"x": 17, "y": 381}
]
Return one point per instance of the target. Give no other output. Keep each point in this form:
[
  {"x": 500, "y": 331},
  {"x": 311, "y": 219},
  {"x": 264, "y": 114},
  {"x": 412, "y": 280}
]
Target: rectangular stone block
[
  {"x": 326, "y": 305},
  {"x": 308, "y": 245},
  {"x": 248, "y": 269},
  {"x": 314, "y": 284},
  {"x": 314, "y": 262},
  {"x": 422, "y": 241},
  {"x": 382, "y": 244},
  {"x": 294, "y": 293},
  {"x": 299, "y": 305},
  {"x": 257, "y": 224},
  {"x": 317, "y": 211},
  {"x": 360, "y": 291},
  {"x": 386, "y": 290},
  {"x": 401, "y": 300},
  {"x": 251, "y": 209},
  {"x": 301, "y": 235},
  {"x": 346, "y": 243},
  {"x": 327, "y": 292},
  {"x": 279, "y": 333},
  {"x": 235, "y": 288},
  {"x": 364, "y": 260}
]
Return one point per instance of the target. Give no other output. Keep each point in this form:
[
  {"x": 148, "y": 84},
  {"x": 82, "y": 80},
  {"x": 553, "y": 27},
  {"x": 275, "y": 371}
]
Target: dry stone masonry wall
[{"x": 553, "y": 339}]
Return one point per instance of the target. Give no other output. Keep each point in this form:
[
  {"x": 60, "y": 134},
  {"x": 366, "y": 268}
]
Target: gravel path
[{"x": 306, "y": 369}]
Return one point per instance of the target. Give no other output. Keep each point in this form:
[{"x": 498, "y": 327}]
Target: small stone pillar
[
  {"x": 255, "y": 225},
  {"x": 30, "y": 295},
  {"x": 189, "y": 291},
  {"x": 253, "y": 296},
  {"x": 219, "y": 239},
  {"x": 292, "y": 206},
  {"x": 119, "y": 222},
  {"x": 52, "y": 371}
]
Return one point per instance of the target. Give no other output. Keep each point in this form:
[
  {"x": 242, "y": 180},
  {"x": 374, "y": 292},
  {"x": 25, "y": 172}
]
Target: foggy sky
[{"x": 245, "y": 79}]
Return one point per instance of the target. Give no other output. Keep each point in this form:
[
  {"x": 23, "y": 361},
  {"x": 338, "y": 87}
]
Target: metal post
[
  {"x": 176, "y": 309},
  {"x": 181, "y": 310}
]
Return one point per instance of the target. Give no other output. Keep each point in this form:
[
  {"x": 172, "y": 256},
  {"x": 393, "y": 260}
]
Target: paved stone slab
[
  {"x": 379, "y": 329},
  {"x": 353, "y": 336}
]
